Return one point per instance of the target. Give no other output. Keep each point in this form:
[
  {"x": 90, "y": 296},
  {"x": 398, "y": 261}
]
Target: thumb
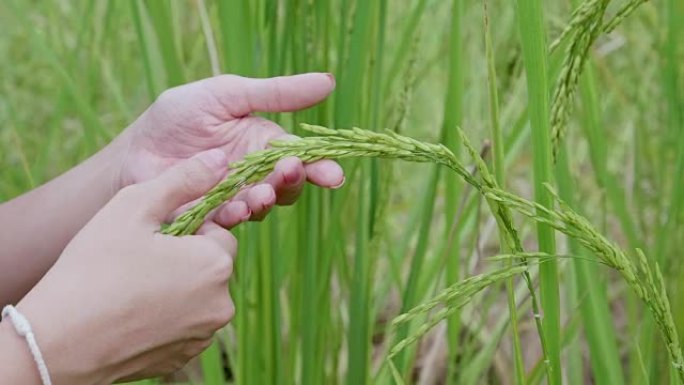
[
  {"x": 242, "y": 96},
  {"x": 185, "y": 182}
]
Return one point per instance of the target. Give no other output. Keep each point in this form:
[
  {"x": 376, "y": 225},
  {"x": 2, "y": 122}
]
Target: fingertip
[
  {"x": 292, "y": 171},
  {"x": 335, "y": 187},
  {"x": 207, "y": 228},
  {"x": 232, "y": 214},
  {"x": 331, "y": 78},
  {"x": 325, "y": 173},
  {"x": 260, "y": 199},
  {"x": 323, "y": 81},
  {"x": 184, "y": 182}
]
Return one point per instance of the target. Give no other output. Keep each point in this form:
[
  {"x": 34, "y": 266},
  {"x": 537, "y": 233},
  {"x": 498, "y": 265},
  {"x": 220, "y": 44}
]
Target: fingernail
[
  {"x": 246, "y": 217},
  {"x": 331, "y": 77},
  {"x": 214, "y": 159},
  {"x": 344, "y": 179},
  {"x": 293, "y": 177}
]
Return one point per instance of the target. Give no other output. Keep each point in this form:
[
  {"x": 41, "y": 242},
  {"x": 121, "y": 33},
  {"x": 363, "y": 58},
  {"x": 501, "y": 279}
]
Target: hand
[
  {"x": 216, "y": 113},
  {"x": 124, "y": 301}
]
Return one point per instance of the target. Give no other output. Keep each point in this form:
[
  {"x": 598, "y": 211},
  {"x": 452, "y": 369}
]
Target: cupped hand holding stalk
[{"x": 217, "y": 113}]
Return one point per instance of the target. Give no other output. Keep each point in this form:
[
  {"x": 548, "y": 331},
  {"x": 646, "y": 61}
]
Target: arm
[{"x": 49, "y": 217}]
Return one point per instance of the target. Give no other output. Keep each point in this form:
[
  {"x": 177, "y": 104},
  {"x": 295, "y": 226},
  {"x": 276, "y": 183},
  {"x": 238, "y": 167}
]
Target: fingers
[
  {"x": 287, "y": 180},
  {"x": 289, "y": 175},
  {"x": 283, "y": 187},
  {"x": 221, "y": 236},
  {"x": 242, "y": 96},
  {"x": 232, "y": 214},
  {"x": 260, "y": 199},
  {"x": 184, "y": 182},
  {"x": 325, "y": 173}
]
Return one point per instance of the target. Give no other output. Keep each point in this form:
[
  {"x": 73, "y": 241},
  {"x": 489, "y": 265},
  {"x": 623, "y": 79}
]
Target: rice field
[{"x": 512, "y": 212}]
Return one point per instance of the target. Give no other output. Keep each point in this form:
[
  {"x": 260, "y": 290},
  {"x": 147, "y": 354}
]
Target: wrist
[
  {"x": 63, "y": 345},
  {"x": 16, "y": 362},
  {"x": 111, "y": 160}
]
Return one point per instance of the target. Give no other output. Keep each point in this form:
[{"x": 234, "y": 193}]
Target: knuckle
[
  {"x": 231, "y": 239},
  {"x": 211, "y": 250},
  {"x": 223, "y": 315},
  {"x": 233, "y": 80},
  {"x": 218, "y": 264},
  {"x": 278, "y": 92},
  {"x": 225, "y": 267},
  {"x": 232, "y": 245}
]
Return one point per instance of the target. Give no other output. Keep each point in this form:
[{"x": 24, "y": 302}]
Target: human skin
[
  {"x": 210, "y": 113},
  {"x": 124, "y": 301},
  {"x": 120, "y": 300}
]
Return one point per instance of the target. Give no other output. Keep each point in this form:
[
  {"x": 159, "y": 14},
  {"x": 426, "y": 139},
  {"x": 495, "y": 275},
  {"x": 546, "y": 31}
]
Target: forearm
[{"x": 38, "y": 225}]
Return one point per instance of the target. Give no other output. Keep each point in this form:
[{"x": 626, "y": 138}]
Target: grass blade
[
  {"x": 531, "y": 24},
  {"x": 453, "y": 115},
  {"x": 499, "y": 159}
]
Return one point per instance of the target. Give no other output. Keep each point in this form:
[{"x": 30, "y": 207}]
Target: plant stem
[{"x": 499, "y": 159}]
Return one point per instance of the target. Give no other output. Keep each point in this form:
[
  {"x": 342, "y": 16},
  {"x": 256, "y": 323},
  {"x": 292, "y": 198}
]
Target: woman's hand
[
  {"x": 216, "y": 113},
  {"x": 123, "y": 300}
]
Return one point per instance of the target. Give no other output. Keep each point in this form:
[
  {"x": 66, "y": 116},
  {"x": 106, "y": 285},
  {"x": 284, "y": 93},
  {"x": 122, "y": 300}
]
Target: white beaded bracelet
[{"x": 23, "y": 328}]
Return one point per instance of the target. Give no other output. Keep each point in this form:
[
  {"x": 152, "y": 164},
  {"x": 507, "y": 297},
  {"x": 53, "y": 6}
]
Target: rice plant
[{"x": 512, "y": 210}]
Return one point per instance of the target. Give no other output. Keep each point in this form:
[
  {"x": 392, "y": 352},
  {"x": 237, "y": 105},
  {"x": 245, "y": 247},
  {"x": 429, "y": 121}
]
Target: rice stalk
[
  {"x": 585, "y": 26},
  {"x": 452, "y": 299},
  {"x": 595, "y": 309},
  {"x": 453, "y": 116},
  {"x": 647, "y": 283},
  {"x": 573, "y": 63},
  {"x": 510, "y": 240},
  {"x": 578, "y": 20},
  {"x": 621, "y": 15},
  {"x": 331, "y": 144},
  {"x": 498, "y": 163}
]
